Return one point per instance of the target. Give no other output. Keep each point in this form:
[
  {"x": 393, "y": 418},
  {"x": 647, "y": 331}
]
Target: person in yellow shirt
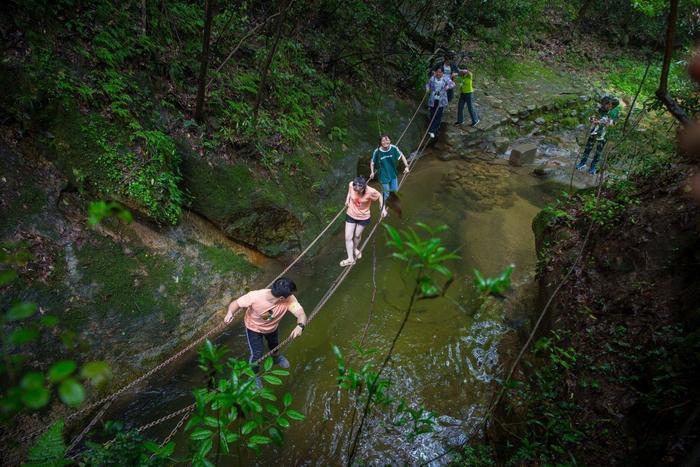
[{"x": 466, "y": 88}]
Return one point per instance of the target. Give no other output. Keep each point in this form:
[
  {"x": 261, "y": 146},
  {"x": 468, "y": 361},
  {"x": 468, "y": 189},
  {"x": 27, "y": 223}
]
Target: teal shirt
[
  {"x": 613, "y": 113},
  {"x": 385, "y": 162}
]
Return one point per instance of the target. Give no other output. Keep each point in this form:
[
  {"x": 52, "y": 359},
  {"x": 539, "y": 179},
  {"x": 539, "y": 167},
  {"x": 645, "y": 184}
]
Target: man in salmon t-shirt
[
  {"x": 266, "y": 307},
  {"x": 357, "y": 217}
]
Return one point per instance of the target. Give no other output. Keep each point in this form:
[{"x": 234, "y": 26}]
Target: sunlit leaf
[
  {"x": 200, "y": 434},
  {"x": 71, "y": 392},
  {"x": 294, "y": 415},
  {"x": 61, "y": 370},
  {"x": 248, "y": 427},
  {"x": 283, "y": 422},
  {"x": 96, "y": 371},
  {"x": 274, "y": 380}
]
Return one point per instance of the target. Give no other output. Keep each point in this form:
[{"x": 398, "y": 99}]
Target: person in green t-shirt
[
  {"x": 385, "y": 157},
  {"x": 608, "y": 113},
  {"x": 466, "y": 89}
]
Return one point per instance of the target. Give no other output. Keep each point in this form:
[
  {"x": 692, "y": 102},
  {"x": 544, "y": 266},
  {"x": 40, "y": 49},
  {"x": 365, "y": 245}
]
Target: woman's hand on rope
[
  {"x": 228, "y": 318},
  {"x": 296, "y": 332},
  {"x": 406, "y": 169}
]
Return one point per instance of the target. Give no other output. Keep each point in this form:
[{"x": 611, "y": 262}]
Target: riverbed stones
[
  {"x": 523, "y": 153},
  {"x": 540, "y": 121},
  {"x": 501, "y": 144}
]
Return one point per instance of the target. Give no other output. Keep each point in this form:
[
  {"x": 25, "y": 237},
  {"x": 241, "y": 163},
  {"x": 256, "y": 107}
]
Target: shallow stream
[{"x": 447, "y": 353}]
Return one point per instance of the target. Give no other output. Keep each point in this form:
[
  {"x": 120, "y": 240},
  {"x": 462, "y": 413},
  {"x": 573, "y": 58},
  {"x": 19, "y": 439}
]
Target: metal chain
[
  {"x": 165, "y": 418},
  {"x": 92, "y": 423}
]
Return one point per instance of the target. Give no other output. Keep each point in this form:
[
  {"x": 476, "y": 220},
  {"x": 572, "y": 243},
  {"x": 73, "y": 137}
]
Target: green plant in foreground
[
  {"x": 232, "y": 410},
  {"x": 365, "y": 387},
  {"x": 22, "y": 387},
  {"x": 426, "y": 255},
  {"x": 125, "y": 448},
  {"x": 493, "y": 285}
]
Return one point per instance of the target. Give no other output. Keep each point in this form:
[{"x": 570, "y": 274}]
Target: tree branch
[{"x": 662, "y": 92}]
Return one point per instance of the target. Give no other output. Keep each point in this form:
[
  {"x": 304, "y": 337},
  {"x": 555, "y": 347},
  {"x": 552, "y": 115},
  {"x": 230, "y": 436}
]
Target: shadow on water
[{"x": 447, "y": 354}]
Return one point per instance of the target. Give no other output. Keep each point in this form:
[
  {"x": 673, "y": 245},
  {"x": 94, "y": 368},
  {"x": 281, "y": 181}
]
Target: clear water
[{"x": 446, "y": 356}]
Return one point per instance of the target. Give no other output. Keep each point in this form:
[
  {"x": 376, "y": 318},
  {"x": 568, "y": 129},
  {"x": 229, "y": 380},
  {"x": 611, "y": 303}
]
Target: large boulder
[{"x": 523, "y": 153}]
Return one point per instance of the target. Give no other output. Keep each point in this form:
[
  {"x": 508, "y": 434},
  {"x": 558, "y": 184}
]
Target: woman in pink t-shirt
[{"x": 357, "y": 217}]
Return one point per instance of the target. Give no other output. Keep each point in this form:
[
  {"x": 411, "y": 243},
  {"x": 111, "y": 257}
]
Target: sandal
[
  {"x": 358, "y": 254},
  {"x": 346, "y": 262}
]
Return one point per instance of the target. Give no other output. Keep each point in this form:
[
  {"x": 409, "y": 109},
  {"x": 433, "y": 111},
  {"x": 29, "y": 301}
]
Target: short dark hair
[
  {"x": 283, "y": 287},
  {"x": 360, "y": 183},
  {"x": 384, "y": 136}
]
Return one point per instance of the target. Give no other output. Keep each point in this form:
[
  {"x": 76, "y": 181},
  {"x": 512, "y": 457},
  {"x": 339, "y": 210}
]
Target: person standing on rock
[
  {"x": 357, "y": 216},
  {"x": 450, "y": 69},
  {"x": 265, "y": 309},
  {"x": 385, "y": 157},
  {"x": 609, "y": 112},
  {"x": 466, "y": 96},
  {"x": 437, "y": 86}
]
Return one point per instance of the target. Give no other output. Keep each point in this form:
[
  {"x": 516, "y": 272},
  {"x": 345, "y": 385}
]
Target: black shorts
[{"x": 355, "y": 221}]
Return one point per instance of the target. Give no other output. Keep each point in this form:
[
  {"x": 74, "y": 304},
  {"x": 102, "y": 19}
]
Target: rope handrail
[
  {"x": 110, "y": 398},
  {"x": 324, "y": 299}
]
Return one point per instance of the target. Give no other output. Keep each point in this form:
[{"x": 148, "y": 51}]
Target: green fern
[{"x": 49, "y": 449}]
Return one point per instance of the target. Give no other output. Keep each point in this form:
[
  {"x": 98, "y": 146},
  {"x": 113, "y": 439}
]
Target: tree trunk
[
  {"x": 204, "y": 61},
  {"x": 662, "y": 93},
  {"x": 268, "y": 61}
]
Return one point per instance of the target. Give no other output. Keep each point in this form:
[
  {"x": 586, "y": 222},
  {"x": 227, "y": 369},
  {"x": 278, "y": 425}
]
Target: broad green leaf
[
  {"x": 71, "y": 392},
  {"x": 21, "y": 336},
  {"x": 222, "y": 442},
  {"x": 201, "y": 433},
  {"x": 21, "y": 311},
  {"x": 279, "y": 372},
  {"x": 283, "y": 422},
  {"x": 248, "y": 427},
  {"x": 267, "y": 363},
  {"x": 205, "y": 447},
  {"x": 274, "y": 380},
  {"x": 7, "y": 277},
  {"x": 276, "y": 435},
  {"x": 287, "y": 399},
  {"x": 259, "y": 439},
  {"x": 272, "y": 410},
  {"x": 232, "y": 437},
  {"x": 96, "y": 371},
  {"x": 35, "y": 398},
  {"x": 211, "y": 421},
  {"x": 48, "y": 321},
  {"x": 167, "y": 450},
  {"x": 61, "y": 370},
  {"x": 32, "y": 380},
  {"x": 294, "y": 415}
]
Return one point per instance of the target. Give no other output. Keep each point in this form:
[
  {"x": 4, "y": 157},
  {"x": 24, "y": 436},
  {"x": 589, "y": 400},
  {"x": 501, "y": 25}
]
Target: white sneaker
[{"x": 431, "y": 134}]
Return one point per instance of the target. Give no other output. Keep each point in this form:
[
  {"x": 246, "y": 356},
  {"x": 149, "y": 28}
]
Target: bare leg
[
  {"x": 358, "y": 233},
  {"x": 349, "y": 245}
]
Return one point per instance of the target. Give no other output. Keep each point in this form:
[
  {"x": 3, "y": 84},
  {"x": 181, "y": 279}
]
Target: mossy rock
[{"x": 248, "y": 210}]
